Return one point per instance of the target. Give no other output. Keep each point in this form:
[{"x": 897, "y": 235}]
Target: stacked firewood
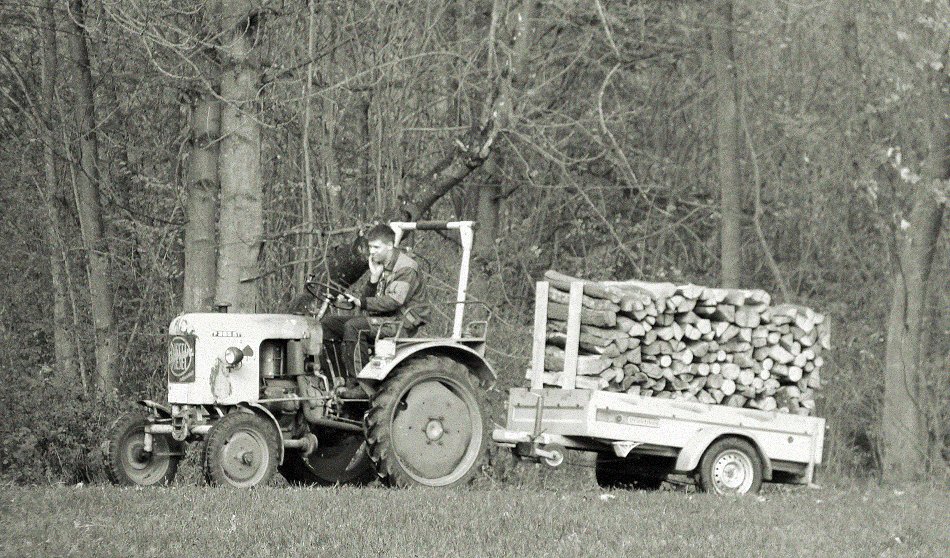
[{"x": 717, "y": 346}]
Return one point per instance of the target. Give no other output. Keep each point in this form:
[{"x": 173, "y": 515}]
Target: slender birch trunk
[
  {"x": 727, "y": 141},
  {"x": 90, "y": 209},
  {"x": 489, "y": 195},
  {"x": 64, "y": 347}
]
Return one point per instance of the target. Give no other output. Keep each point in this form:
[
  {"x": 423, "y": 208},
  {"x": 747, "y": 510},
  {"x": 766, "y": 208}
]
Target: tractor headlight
[{"x": 233, "y": 356}]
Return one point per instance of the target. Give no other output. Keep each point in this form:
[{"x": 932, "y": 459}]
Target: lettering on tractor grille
[{"x": 181, "y": 359}]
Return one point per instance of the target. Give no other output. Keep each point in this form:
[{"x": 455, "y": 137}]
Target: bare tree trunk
[
  {"x": 489, "y": 208},
  {"x": 472, "y": 150},
  {"x": 489, "y": 195},
  {"x": 468, "y": 153},
  {"x": 200, "y": 231},
  {"x": 905, "y": 434},
  {"x": 240, "y": 224},
  {"x": 366, "y": 141},
  {"x": 846, "y": 14},
  {"x": 330, "y": 168},
  {"x": 904, "y": 418},
  {"x": 454, "y": 20},
  {"x": 90, "y": 208},
  {"x": 727, "y": 140},
  {"x": 869, "y": 122},
  {"x": 70, "y": 281},
  {"x": 64, "y": 348},
  {"x": 487, "y": 212},
  {"x": 307, "y": 214}
]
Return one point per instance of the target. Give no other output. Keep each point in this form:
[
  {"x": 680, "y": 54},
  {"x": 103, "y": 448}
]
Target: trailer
[{"x": 643, "y": 441}]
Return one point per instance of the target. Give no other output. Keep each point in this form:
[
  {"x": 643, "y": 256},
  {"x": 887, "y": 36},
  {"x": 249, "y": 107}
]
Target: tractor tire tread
[
  {"x": 378, "y": 427},
  {"x": 218, "y": 436},
  {"x": 119, "y": 431}
]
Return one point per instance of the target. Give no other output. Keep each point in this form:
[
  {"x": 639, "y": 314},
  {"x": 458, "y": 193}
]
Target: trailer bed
[{"x": 625, "y": 423}]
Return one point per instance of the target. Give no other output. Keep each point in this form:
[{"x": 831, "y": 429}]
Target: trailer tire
[
  {"x": 619, "y": 473},
  {"x": 426, "y": 425},
  {"x": 730, "y": 466}
]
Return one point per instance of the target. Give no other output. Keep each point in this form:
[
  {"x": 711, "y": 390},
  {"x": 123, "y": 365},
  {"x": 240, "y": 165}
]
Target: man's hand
[
  {"x": 347, "y": 297},
  {"x": 375, "y": 270}
]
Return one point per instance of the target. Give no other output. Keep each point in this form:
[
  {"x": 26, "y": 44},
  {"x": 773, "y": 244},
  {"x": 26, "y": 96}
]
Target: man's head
[{"x": 380, "y": 240}]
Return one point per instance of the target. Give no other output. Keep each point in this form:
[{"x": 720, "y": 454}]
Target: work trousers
[{"x": 347, "y": 340}]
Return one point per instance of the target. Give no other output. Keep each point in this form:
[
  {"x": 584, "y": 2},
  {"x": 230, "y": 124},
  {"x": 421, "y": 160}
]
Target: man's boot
[{"x": 351, "y": 389}]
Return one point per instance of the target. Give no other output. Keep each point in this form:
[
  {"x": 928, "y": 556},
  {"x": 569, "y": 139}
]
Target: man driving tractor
[
  {"x": 264, "y": 396},
  {"x": 391, "y": 295}
]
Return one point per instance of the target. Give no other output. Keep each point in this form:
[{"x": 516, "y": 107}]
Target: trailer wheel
[
  {"x": 241, "y": 451},
  {"x": 731, "y": 466},
  {"x": 558, "y": 452},
  {"x": 130, "y": 464},
  {"x": 425, "y": 426},
  {"x": 620, "y": 473}
]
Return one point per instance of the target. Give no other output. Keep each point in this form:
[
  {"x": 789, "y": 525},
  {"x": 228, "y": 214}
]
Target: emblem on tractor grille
[{"x": 181, "y": 359}]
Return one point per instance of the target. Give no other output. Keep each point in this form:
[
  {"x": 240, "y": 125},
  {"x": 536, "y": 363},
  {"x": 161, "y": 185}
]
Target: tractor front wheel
[
  {"x": 129, "y": 462},
  {"x": 241, "y": 451},
  {"x": 425, "y": 426}
]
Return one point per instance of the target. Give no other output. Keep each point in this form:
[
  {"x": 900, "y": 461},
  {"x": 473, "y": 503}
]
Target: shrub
[{"x": 51, "y": 432}]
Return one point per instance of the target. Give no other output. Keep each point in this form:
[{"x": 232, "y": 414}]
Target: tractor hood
[
  {"x": 250, "y": 326},
  {"x": 198, "y": 373}
]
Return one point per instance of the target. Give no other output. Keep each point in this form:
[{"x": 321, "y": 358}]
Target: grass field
[{"x": 344, "y": 522}]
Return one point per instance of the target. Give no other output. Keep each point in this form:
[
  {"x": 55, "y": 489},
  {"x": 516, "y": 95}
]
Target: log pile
[{"x": 716, "y": 346}]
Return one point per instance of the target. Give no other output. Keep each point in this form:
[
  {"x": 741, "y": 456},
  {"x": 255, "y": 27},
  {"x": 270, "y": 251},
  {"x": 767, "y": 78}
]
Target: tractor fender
[
  {"x": 379, "y": 369},
  {"x": 689, "y": 457},
  {"x": 259, "y": 409}
]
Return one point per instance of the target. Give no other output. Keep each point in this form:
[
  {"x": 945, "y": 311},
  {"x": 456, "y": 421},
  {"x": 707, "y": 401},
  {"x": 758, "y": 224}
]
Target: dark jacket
[{"x": 398, "y": 292}]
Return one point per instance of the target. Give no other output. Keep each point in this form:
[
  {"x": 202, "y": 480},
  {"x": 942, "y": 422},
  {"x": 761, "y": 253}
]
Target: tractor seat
[
  {"x": 407, "y": 332},
  {"x": 389, "y": 330}
]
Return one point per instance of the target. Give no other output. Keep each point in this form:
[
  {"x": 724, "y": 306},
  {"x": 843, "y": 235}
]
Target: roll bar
[{"x": 467, "y": 233}]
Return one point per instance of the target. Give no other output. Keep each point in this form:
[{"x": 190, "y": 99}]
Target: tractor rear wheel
[
  {"x": 340, "y": 458},
  {"x": 241, "y": 451},
  {"x": 631, "y": 472},
  {"x": 425, "y": 426},
  {"x": 130, "y": 464}
]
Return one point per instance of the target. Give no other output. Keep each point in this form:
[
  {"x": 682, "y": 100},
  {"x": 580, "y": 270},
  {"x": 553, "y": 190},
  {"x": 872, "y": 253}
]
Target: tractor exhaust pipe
[{"x": 307, "y": 444}]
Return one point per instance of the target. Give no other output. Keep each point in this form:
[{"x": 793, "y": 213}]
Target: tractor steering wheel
[{"x": 327, "y": 291}]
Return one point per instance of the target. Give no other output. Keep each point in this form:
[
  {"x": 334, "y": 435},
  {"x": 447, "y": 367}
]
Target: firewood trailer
[{"x": 642, "y": 441}]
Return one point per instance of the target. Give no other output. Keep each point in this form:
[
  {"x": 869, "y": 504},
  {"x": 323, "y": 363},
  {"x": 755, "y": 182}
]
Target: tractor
[{"x": 262, "y": 394}]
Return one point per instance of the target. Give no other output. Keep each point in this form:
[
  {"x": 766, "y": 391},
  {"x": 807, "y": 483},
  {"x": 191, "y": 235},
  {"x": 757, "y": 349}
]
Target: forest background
[{"x": 163, "y": 155}]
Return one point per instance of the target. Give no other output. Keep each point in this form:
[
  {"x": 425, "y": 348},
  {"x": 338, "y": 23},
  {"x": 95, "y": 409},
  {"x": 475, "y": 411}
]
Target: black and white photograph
[{"x": 475, "y": 278}]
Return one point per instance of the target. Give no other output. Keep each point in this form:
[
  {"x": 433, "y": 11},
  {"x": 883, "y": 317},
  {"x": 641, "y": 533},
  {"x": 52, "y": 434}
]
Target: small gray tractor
[{"x": 260, "y": 394}]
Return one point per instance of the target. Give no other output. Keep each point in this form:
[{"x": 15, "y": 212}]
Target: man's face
[{"x": 380, "y": 250}]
